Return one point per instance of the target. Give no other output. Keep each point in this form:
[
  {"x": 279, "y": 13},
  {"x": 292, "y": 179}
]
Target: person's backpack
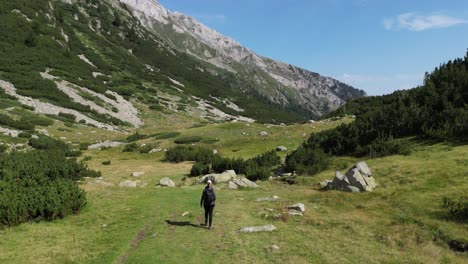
[{"x": 210, "y": 196}]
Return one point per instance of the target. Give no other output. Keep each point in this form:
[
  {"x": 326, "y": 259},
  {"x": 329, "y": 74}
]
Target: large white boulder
[{"x": 166, "y": 182}]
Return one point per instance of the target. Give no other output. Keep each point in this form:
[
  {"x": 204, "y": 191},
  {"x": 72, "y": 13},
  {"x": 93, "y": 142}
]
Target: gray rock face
[
  {"x": 356, "y": 179},
  {"x": 218, "y": 178},
  {"x": 242, "y": 182},
  {"x": 187, "y": 34},
  {"x": 166, "y": 182},
  {"x": 253, "y": 229}
]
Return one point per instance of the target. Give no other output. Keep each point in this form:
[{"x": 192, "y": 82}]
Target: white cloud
[{"x": 414, "y": 22}]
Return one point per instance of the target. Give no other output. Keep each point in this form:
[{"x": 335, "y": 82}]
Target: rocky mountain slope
[
  {"x": 107, "y": 64},
  {"x": 281, "y": 82}
]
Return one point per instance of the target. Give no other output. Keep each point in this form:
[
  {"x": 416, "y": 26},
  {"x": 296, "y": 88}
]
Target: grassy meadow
[{"x": 401, "y": 222}]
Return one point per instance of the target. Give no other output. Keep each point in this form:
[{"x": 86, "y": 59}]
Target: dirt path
[{"x": 136, "y": 240}]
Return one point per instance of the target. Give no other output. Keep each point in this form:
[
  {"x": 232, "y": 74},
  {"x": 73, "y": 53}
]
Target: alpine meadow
[{"x": 115, "y": 116}]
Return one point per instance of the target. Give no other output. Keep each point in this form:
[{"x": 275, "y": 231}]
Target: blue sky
[{"x": 375, "y": 45}]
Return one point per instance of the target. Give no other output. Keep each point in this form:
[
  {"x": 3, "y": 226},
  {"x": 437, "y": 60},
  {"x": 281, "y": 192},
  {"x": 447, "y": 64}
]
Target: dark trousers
[{"x": 209, "y": 214}]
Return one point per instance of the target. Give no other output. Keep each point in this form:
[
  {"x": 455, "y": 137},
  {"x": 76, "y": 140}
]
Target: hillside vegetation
[
  {"x": 402, "y": 221},
  {"x": 438, "y": 110},
  {"x": 101, "y": 46}
]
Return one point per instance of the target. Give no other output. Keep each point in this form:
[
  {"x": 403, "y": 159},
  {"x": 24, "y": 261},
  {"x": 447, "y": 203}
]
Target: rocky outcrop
[
  {"x": 356, "y": 179},
  {"x": 241, "y": 183},
  {"x": 218, "y": 178}
]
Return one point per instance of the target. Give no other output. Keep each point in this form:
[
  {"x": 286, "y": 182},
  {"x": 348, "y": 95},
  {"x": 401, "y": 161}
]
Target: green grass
[{"x": 401, "y": 222}]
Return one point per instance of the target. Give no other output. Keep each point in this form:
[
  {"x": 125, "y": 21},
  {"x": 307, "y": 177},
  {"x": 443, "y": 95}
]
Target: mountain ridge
[{"x": 225, "y": 52}]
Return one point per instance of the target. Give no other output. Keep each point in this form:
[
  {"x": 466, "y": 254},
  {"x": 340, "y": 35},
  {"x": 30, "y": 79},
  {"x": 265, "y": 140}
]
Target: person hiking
[{"x": 208, "y": 201}]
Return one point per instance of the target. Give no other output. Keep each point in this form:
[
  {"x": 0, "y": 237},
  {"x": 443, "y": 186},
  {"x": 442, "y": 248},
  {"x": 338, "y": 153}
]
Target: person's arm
[{"x": 202, "y": 198}]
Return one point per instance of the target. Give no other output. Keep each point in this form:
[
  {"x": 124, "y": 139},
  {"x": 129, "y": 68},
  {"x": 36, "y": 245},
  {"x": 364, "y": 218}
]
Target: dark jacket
[{"x": 208, "y": 197}]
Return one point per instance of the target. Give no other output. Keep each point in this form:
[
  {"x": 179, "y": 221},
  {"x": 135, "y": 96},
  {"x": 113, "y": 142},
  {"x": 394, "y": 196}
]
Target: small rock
[
  {"x": 273, "y": 198},
  {"x": 281, "y": 148},
  {"x": 104, "y": 226},
  {"x": 253, "y": 229},
  {"x": 215, "y": 151},
  {"x": 166, "y": 182},
  {"x": 275, "y": 247},
  {"x": 298, "y": 207},
  {"x": 155, "y": 150},
  {"x": 185, "y": 213},
  {"x": 138, "y": 173},
  {"x": 263, "y": 133}
]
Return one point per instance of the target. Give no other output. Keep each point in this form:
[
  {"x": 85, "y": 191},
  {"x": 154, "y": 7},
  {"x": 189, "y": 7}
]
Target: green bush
[
  {"x": 130, "y": 147},
  {"x": 199, "y": 169},
  {"x": 10, "y": 122},
  {"x": 68, "y": 116},
  {"x": 40, "y": 185},
  {"x": 456, "y": 209},
  {"x": 307, "y": 160},
  {"x": 37, "y": 120},
  {"x": 106, "y": 162},
  {"x": 135, "y": 137},
  {"x": 191, "y": 153},
  {"x": 166, "y": 135},
  {"x": 24, "y": 135},
  {"x": 188, "y": 140},
  {"x": 147, "y": 148},
  {"x": 257, "y": 168},
  {"x": 48, "y": 143}
]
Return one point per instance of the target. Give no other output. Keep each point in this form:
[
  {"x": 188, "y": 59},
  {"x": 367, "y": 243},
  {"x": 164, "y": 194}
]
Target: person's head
[{"x": 209, "y": 183}]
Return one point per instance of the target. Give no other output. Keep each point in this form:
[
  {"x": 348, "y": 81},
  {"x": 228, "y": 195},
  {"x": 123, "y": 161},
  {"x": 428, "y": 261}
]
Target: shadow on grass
[{"x": 183, "y": 223}]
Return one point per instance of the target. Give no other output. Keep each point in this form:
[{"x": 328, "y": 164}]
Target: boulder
[
  {"x": 166, "y": 182},
  {"x": 281, "y": 148},
  {"x": 218, "y": 178},
  {"x": 129, "y": 184},
  {"x": 242, "y": 182},
  {"x": 325, "y": 184},
  {"x": 363, "y": 169},
  {"x": 233, "y": 186},
  {"x": 253, "y": 229},
  {"x": 350, "y": 188},
  {"x": 298, "y": 207},
  {"x": 263, "y": 133},
  {"x": 357, "y": 179},
  {"x": 137, "y": 174}
]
